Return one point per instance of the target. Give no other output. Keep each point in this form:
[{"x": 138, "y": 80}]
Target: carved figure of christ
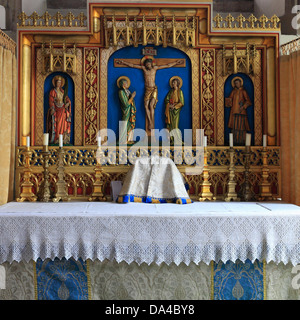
[{"x": 150, "y": 96}]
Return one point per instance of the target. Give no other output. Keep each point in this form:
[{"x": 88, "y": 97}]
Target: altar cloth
[
  {"x": 150, "y": 233},
  {"x": 154, "y": 179}
]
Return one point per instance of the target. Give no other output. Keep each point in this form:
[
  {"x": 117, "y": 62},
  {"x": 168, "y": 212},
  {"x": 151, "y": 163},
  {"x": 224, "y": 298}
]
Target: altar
[{"x": 80, "y": 250}]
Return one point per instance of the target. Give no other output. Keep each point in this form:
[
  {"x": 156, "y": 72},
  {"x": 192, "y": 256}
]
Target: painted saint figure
[
  {"x": 59, "y": 113},
  {"x": 174, "y": 101},
  {"x": 128, "y": 110},
  {"x": 238, "y": 101},
  {"x": 150, "y": 97}
]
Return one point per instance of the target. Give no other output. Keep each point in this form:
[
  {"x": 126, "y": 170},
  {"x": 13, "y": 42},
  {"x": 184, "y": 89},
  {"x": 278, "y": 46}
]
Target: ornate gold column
[
  {"x": 26, "y": 90},
  {"x": 271, "y": 96}
]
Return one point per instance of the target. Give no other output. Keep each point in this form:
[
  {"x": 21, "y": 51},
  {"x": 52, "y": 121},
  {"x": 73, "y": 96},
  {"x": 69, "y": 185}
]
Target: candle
[
  {"x": 205, "y": 141},
  {"x": 264, "y": 140},
  {"x": 231, "y": 139},
  {"x": 46, "y": 139},
  {"x": 99, "y": 141},
  {"x": 248, "y": 139},
  {"x": 61, "y": 140},
  {"x": 28, "y": 141}
]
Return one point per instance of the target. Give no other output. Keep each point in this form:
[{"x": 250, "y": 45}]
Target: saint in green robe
[
  {"x": 128, "y": 114},
  {"x": 174, "y": 101}
]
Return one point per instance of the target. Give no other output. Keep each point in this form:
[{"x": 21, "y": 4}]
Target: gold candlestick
[
  {"x": 98, "y": 193},
  {"x": 231, "y": 193},
  {"x": 246, "y": 191},
  {"x": 265, "y": 186},
  {"x": 44, "y": 193},
  {"x": 26, "y": 186},
  {"x": 61, "y": 191},
  {"x": 206, "y": 194}
]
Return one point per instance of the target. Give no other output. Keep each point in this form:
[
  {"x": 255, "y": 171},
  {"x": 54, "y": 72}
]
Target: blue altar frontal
[{"x": 139, "y": 251}]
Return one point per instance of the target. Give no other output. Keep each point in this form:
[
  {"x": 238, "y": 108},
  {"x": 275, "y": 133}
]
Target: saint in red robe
[{"x": 59, "y": 116}]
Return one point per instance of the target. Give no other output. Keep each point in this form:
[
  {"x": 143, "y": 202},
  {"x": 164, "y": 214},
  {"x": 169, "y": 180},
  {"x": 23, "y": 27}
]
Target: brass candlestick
[
  {"x": 265, "y": 186},
  {"x": 26, "y": 186},
  {"x": 44, "y": 193},
  {"x": 246, "y": 191},
  {"x": 98, "y": 193},
  {"x": 61, "y": 191},
  {"x": 231, "y": 193},
  {"x": 206, "y": 194}
]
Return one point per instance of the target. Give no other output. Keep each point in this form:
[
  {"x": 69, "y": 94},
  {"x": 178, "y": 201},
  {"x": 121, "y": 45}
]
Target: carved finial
[
  {"x": 23, "y": 16},
  {"x": 240, "y": 19},
  {"x": 46, "y": 17},
  {"x": 229, "y": 19},
  {"x": 218, "y": 19},
  {"x": 274, "y": 20},
  {"x": 34, "y": 17},
  {"x": 81, "y": 19},
  {"x": 263, "y": 20},
  {"x": 252, "y": 19}
]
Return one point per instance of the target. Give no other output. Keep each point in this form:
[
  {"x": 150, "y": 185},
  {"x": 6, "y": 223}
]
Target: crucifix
[{"x": 149, "y": 66}]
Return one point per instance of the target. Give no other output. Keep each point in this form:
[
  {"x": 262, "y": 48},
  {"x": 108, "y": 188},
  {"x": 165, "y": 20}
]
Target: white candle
[
  {"x": 264, "y": 140},
  {"x": 27, "y": 141},
  {"x": 46, "y": 139},
  {"x": 99, "y": 141},
  {"x": 248, "y": 139},
  {"x": 61, "y": 140},
  {"x": 205, "y": 141},
  {"x": 231, "y": 139}
]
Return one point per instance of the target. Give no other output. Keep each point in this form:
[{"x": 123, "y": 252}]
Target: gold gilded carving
[
  {"x": 235, "y": 61},
  {"x": 56, "y": 59},
  {"x": 133, "y": 30},
  {"x": 26, "y": 184},
  {"x": 206, "y": 194},
  {"x": 207, "y": 94},
  {"x": 44, "y": 193},
  {"x": 79, "y": 165},
  {"x": 61, "y": 185},
  {"x": 242, "y": 23},
  {"x": 47, "y": 20},
  {"x": 91, "y": 114},
  {"x": 231, "y": 193}
]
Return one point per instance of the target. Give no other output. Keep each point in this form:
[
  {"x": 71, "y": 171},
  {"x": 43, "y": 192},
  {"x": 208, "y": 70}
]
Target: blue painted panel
[{"x": 137, "y": 84}]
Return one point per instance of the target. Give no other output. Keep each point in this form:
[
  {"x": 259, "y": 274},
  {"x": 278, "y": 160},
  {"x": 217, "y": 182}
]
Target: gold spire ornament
[
  {"x": 265, "y": 186},
  {"x": 98, "y": 192},
  {"x": 27, "y": 185},
  {"x": 61, "y": 191},
  {"x": 206, "y": 194},
  {"x": 44, "y": 193},
  {"x": 231, "y": 193},
  {"x": 246, "y": 191}
]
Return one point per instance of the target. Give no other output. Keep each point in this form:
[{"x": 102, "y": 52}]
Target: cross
[{"x": 149, "y": 69}]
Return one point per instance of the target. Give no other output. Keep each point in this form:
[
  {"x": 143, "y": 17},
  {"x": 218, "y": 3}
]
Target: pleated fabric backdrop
[
  {"x": 289, "y": 126},
  {"x": 8, "y": 81}
]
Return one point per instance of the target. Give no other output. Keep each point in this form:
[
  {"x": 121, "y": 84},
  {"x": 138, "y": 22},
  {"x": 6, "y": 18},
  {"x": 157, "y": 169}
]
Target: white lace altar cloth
[{"x": 141, "y": 232}]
